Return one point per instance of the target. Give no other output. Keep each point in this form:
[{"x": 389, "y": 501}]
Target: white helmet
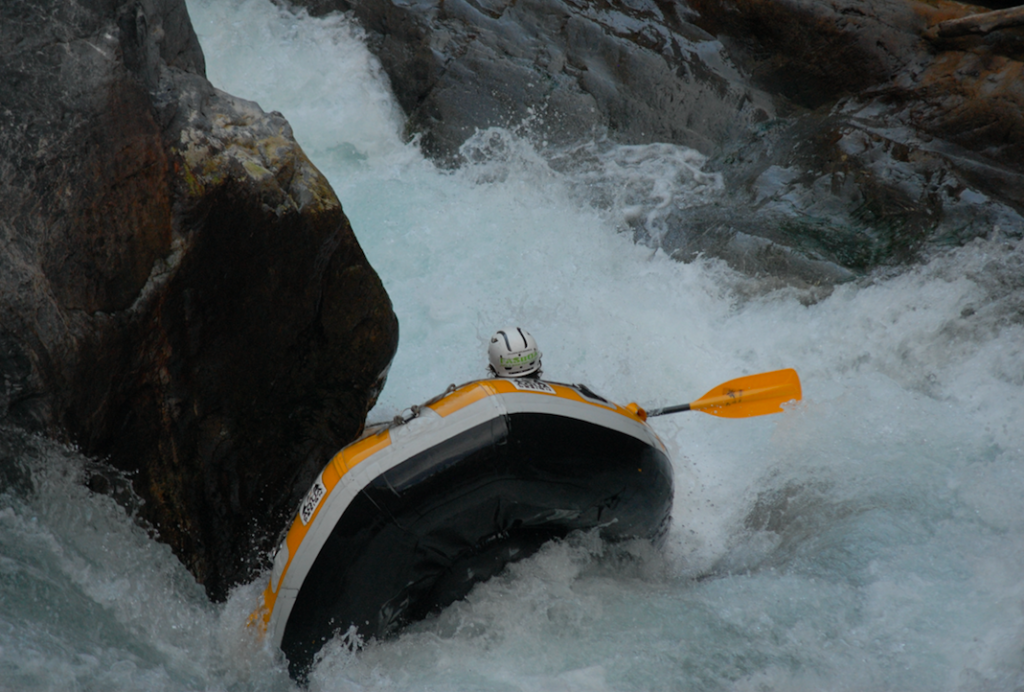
[{"x": 513, "y": 353}]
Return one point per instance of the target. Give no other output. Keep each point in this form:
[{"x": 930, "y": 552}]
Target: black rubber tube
[{"x": 419, "y": 536}]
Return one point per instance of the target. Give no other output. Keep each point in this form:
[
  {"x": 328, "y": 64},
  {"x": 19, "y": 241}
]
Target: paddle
[{"x": 753, "y": 395}]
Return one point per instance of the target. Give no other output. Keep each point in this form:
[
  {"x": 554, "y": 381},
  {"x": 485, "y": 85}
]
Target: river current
[{"x": 869, "y": 538}]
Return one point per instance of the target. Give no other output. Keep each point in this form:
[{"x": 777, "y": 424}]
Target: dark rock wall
[
  {"x": 893, "y": 144},
  {"x": 572, "y": 68},
  {"x": 811, "y": 53},
  {"x": 180, "y": 291},
  {"x": 966, "y": 90}
]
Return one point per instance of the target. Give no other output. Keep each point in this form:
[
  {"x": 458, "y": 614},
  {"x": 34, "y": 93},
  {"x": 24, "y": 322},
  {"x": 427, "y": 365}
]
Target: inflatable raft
[{"x": 407, "y": 519}]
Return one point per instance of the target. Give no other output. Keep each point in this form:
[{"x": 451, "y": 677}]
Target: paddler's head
[{"x": 513, "y": 353}]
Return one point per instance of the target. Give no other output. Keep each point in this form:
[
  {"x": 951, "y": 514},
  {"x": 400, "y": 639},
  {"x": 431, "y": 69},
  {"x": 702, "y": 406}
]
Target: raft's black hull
[{"x": 421, "y": 535}]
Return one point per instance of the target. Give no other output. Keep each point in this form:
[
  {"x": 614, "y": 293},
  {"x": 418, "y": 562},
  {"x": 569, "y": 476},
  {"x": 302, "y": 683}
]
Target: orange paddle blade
[{"x": 753, "y": 395}]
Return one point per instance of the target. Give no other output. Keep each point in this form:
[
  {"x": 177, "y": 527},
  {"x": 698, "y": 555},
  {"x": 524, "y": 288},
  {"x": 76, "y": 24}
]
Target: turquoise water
[{"x": 870, "y": 538}]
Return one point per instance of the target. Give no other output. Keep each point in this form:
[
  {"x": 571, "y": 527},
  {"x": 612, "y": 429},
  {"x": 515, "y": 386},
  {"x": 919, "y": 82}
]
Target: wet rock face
[
  {"x": 567, "y": 68},
  {"x": 845, "y": 138},
  {"x": 893, "y": 144},
  {"x": 811, "y": 52},
  {"x": 180, "y": 291}
]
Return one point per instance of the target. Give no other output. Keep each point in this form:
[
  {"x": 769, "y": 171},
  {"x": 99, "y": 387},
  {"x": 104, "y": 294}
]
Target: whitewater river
[{"x": 869, "y": 538}]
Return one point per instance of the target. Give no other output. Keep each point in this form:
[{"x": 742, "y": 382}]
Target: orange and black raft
[{"x": 407, "y": 519}]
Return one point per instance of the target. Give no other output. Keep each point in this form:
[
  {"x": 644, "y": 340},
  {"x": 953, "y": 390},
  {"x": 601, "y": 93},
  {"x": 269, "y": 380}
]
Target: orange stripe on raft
[
  {"x": 462, "y": 397},
  {"x": 475, "y": 391},
  {"x": 343, "y": 462}
]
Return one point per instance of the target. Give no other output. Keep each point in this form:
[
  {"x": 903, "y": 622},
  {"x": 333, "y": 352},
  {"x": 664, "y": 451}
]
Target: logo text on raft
[
  {"x": 312, "y": 500},
  {"x": 518, "y": 360}
]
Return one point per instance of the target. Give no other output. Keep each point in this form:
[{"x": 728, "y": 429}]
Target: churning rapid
[{"x": 870, "y": 538}]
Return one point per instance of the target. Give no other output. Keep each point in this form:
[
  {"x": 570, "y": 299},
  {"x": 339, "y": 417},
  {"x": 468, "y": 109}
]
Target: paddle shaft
[{"x": 668, "y": 409}]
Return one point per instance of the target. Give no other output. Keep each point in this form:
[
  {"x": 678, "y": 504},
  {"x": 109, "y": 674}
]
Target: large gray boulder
[
  {"x": 180, "y": 291},
  {"x": 568, "y": 69}
]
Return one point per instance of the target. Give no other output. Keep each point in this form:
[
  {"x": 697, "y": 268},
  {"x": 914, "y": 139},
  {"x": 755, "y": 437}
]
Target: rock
[
  {"x": 890, "y": 148},
  {"x": 982, "y": 23},
  {"x": 565, "y": 68},
  {"x": 180, "y": 291}
]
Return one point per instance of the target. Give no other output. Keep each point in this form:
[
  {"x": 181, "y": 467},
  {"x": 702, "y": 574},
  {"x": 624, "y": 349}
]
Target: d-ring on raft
[{"x": 404, "y": 521}]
